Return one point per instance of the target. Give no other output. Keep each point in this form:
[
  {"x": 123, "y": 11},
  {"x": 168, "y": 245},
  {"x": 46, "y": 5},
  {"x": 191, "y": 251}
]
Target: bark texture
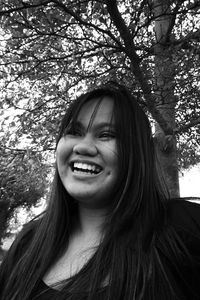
[
  {"x": 160, "y": 103},
  {"x": 165, "y": 98}
]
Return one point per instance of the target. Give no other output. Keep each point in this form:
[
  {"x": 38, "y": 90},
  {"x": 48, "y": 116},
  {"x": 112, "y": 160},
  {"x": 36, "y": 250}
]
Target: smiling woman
[
  {"x": 87, "y": 154},
  {"x": 110, "y": 230}
]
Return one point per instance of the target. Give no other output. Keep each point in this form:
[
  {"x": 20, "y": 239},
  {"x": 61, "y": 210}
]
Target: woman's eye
[
  {"x": 107, "y": 135},
  {"x": 72, "y": 131}
]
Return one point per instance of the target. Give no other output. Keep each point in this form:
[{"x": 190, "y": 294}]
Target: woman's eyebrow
[
  {"x": 95, "y": 126},
  {"x": 103, "y": 125}
]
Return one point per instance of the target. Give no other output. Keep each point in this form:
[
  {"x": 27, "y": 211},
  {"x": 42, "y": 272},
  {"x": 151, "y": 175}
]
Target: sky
[{"x": 190, "y": 182}]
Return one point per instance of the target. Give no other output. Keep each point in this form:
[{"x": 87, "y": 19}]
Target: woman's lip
[{"x": 84, "y": 175}]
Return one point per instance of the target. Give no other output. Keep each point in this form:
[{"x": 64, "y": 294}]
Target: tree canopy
[
  {"x": 23, "y": 179},
  {"x": 52, "y": 50}
]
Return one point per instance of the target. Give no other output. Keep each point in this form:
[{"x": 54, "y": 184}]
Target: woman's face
[{"x": 87, "y": 157}]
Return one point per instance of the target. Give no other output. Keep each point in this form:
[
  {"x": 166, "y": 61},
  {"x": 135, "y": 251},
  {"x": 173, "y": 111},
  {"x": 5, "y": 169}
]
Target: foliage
[
  {"x": 23, "y": 179},
  {"x": 52, "y": 49}
]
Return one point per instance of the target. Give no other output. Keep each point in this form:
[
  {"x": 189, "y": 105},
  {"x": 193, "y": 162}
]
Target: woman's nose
[{"x": 85, "y": 146}]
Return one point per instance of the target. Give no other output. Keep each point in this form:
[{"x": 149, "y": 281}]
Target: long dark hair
[{"x": 127, "y": 256}]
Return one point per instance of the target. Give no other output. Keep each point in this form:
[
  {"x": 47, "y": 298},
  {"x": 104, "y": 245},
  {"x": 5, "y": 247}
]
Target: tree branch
[
  {"x": 130, "y": 51},
  {"x": 83, "y": 22},
  {"x": 172, "y": 21},
  {"x": 185, "y": 127},
  {"x": 195, "y": 35},
  {"x": 25, "y": 6}
]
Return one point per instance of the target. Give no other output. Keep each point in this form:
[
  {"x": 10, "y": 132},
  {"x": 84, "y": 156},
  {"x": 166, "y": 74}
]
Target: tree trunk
[
  {"x": 4, "y": 205},
  {"x": 165, "y": 98}
]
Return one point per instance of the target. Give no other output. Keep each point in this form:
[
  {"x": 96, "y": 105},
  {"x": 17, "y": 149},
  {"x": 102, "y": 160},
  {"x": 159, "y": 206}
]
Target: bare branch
[
  {"x": 185, "y": 127},
  {"x": 83, "y": 22},
  {"x": 25, "y": 6},
  {"x": 173, "y": 20},
  {"x": 135, "y": 64},
  {"x": 184, "y": 42}
]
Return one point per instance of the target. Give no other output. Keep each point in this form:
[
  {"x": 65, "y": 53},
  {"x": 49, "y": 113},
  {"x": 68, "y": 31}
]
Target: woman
[{"x": 110, "y": 231}]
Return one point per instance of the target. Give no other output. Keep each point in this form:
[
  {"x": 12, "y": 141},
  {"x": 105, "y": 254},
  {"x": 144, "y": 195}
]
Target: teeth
[{"x": 84, "y": 167}]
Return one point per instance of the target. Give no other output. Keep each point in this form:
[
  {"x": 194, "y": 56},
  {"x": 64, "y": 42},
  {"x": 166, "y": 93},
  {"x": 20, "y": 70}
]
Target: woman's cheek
[{"x": 64, "y": 150}]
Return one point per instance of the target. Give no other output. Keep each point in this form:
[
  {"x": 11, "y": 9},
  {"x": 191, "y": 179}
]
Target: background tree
[
  {"x": 52, "y": 49},
  {"x": 23, "y": 180}
]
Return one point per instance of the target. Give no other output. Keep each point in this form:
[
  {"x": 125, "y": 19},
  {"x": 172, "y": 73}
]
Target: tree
[
  {"x": 165, "y": 92},
  {"x": 23, "y": 180},
  {"x": 52, "y": 49}
]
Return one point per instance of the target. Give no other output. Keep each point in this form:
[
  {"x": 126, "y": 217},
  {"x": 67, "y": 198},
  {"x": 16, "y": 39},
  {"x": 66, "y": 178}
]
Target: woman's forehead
[{"x": 99, "y": 110}]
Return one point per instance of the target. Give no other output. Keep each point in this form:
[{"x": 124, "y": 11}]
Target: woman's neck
[{"x": 91, "y": 221}]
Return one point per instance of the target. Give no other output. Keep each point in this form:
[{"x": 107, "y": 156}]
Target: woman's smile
[{"x": 85, "y": 168}]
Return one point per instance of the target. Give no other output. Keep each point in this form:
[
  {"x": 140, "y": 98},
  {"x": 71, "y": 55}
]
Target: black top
[
  {"x": 184, "y": 218},
  {"x": 44, "y": 292}
]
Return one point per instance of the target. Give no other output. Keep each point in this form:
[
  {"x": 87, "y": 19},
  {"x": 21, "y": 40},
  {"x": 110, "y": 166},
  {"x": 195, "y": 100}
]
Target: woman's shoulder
[
  {"x": 184, "y": 217},
  {"x": 179, "y": 246},
  {"x": 183, "y": 213}
]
